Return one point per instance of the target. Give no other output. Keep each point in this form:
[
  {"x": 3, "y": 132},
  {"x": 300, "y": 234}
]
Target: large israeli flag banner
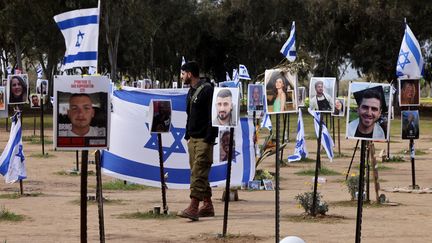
[
  {"x": 410, "y": 61},
  {"x": 289, "y": 48},
  {"x": 133, "y": 151},
  {"x": 80, "y": 29},
  {"x": 12, "y": 160},
  {"x": 326, "y": 139}
]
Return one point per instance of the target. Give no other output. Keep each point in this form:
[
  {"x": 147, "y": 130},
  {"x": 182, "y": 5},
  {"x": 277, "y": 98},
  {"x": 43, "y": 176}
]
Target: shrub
[
  {"x": 352, "y": 184},
  {"x": 306, "y": 201}
]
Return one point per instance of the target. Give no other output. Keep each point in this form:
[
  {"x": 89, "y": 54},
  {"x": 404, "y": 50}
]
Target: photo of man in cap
[{"x": 370, "y": 106}]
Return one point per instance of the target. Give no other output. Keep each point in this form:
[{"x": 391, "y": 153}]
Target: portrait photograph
[
  {"x": 160, "y": 114},
  {"x": 254, "y": 185},
  {"x": 301, "y": 96},
  {"x": 322, "y": 94},
  {"x": 281, "y": 91},
  {"x": 35, "y": 101},
  {"x": 368, "y": 115},
  {"x": 255, "y": 97},
  {"x": 140, "y": 84},
  {"x": 2, "y": 98},
  {"x": 339, "y": 107},
  {"x": 225, "y": 108},
  {"x": 42, "y": 86},
  {"x": 18, "y": 89},
  {"x": 409, "y": 92},
  {"x": 268, "y": 185},
  {"x": 147, "y": 84},
  {"x": 410, "y": 124},
  {"x": 174, "y": 85},
  {"x": 224, "y": 138},
  {"x": 81, "y": 112}
]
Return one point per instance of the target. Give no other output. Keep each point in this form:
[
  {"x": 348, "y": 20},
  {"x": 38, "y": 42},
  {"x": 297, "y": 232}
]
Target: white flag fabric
[
  {"x": 227, "y": 77},
  {"x": 92, "y": 70},
  {"x": 39, "y": 71},
  {"x": 243, "y": 72},
  {"x": 266, "y": 122},
  {"x": 289, "y": 48},
  {"x": 410, "y": 61},
  {"x": 133, "y": 151},
  {"x": 80, "y": 29},
  {"x": 235, "y": 75},
  {"x": 326, "y": 139},
  {"x": 12, "y": 160},
  {"x": 9, "y": 70},
  {"x": 183, "y": 61},
  {"x": 300, "y": 148}
]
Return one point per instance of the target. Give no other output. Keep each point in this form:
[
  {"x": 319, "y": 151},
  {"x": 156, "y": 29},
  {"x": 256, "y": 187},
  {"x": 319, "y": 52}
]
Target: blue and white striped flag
[
  {"x": 12, "y": 160},
  {"x": 133, "y": 150},
  {"x": 227, "y": 77},
  {"x": 266, "y": 122},
  {"x": 235, "y": 76},
  {"x": 289, "y": 48},
  {"x": 410, "y": 61},
  {"x": 326, "y": 139},
  {"x": 39, "y": 71},
  {"x": 80, "y": 29},
  {"x": 243, "y": 72},
  {"x": 300, "y": 148}
]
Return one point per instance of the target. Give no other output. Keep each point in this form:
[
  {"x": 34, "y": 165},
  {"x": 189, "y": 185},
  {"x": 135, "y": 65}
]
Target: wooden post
[{"x": 374, "y": 170}]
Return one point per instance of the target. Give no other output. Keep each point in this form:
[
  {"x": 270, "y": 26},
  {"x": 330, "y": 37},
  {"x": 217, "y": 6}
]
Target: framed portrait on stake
[
  {"x": 160, "y": 116},
  {"x": 410, "y": 124},
  {"x": 2, "y": 98},
  {"x": 81, "y": 112},
  {"x": 224, "y": 138},
  {"x": 281, "y": 91},
  {"x": 301, "y": 94},
  {"x": 409, "y": 92},
  {"x": 18, "y": 89},
  {"x": 368, "y": 111},
  {"x": 35, "y": 101},
  {"x": 339, "y": 107},
  {"x": 225, "y": 109},
  {"x": 255, "y": 97},
  {"x": 42, "y": 86},
  {"x": 322, "y": 94}
]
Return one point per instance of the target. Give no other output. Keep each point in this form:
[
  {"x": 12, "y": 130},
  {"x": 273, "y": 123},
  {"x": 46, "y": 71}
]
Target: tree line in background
[{"x": 147, "y": 38}]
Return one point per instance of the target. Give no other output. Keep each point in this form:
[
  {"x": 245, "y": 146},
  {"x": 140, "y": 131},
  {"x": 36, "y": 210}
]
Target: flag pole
[
  {"x": 277, "y": 205},
  {"x": 412, "y": 155},
  {"x": 360, "y": 192},
  {"x": 99, "y": 196},
  {"x": 42, "y": 136},
  {"x": 352, "y": 159},
  {"x": 317, "y": 167},
  {"x": 227, "y": 184},
  {"x": 17, "y": 109},
  {"x": 83, "y": 217},
  {"x": 162, "y": 177}
]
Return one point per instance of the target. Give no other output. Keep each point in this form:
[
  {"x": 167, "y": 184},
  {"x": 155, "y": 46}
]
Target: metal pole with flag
[
  {"x": 80, "y": 29},
  {"x": 12, "y": 160},
  {"x": 410, "y": 61},
  {"x": 300, "y": 147},
  {"x": 289, "y": 49}
]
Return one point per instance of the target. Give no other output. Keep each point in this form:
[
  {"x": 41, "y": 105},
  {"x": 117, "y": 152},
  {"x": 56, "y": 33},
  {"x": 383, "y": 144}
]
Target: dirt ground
[{"x": 52, "y": 212}]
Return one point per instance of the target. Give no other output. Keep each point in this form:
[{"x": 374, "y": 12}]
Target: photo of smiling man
[{"x": 225, "y": 107}]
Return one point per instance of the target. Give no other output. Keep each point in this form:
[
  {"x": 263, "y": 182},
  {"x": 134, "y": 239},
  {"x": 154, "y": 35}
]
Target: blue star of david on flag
[
  {"x": 20, "y": 153},
  {"x": 176, "y": 146},
  {"x": 80, "y": 37},
  {"x": 404, "y": 57}
]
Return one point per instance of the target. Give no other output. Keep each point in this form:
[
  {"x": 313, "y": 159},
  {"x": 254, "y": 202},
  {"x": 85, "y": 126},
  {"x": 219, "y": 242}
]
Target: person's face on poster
[
  {"x": 80, "y": 113},
  {"x": 408, "y": 93},
  {"x": 225, "y": 142},
  {"x": 319, "y": 88},
  {"x": 256, "y": 95},
  {"x": 35, "y": 100},
  {"x": 279, "y": 84},
  {"x": 410, "y": 117},
  {"x": 44, "y": 88},
  {"x": 369, "y": 112},
  {"x": 338, "y": 105},
  {"x": 17, "y": 88},
  {"x": 224, "y": 107}
]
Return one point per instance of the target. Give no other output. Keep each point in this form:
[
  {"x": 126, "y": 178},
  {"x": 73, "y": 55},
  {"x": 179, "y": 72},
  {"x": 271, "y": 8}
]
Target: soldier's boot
[
  {"x": 191, "y": 212},
  {"x": 206, "y": 210}
]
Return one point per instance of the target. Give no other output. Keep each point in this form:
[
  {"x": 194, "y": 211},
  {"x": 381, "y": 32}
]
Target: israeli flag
[
  {"x": 80, "y": 29},
  {"x": 243, "y": 72},
  {"x": 12, "y": 160},
  {"x": 410, "y": 61},
  {"x": 289, "y": 49},
  {"x": 227, "y": 77},
  {"x": 266, "y": 122},
  {"x": 183, "y": 60},
  {"x": 300, "y": 148},
  {"x": 235, "y": 76},
  {"x": 39, "y": 71},
  {"x": 133, "y": 152},
  {"x": 326, "y": 139}
]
